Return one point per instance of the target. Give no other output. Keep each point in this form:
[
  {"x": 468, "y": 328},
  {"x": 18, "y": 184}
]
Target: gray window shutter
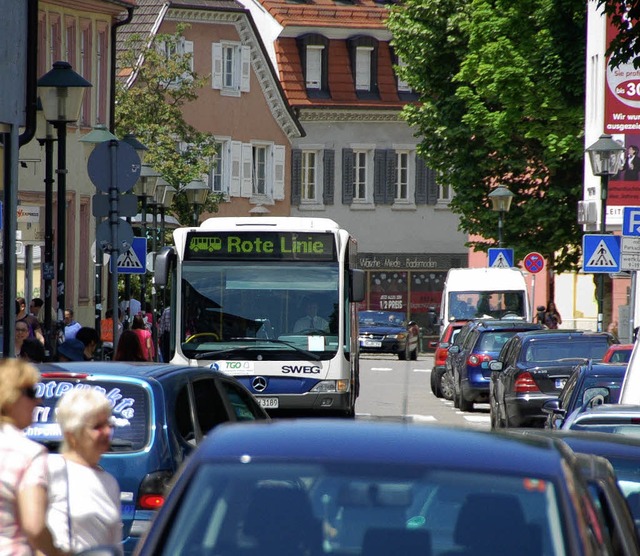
[
  {"x": 421, "y": 181},
  {"x": 348, "y": 176},
  {"x": 432, "y": 187},
  {"x": 391, "y": 176},
  {"x": 328, "y": 176},
  {"x": 379, "y": 177},
  {"x": 296, "y": 176}
]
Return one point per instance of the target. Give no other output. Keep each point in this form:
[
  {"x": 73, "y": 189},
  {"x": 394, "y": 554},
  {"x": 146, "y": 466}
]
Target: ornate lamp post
[
  {"x": 61, "y": 91},
  {"x": 606, "y": 157},
  {"x": 196, "y": 192},
  {"x": 500, "y": 199}
]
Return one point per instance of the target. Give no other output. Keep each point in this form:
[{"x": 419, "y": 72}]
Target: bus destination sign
[{"x": 252, "y": 245}]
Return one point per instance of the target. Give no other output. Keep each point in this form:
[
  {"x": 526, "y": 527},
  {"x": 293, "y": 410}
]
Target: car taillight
[
  {"x": 441, "y": 356},
  {"x": 153, "y": 489},
  {"x": 525, "y": 383},
  {"x": 476, "y": 359}
]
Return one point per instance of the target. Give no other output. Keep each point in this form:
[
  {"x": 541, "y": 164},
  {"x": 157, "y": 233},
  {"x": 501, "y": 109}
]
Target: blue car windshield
[{"x": 288, "y": 508}]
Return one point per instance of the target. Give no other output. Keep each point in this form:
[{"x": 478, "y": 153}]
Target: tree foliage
[
  {"x": 501, "y": 102},
  {"x": 151, "y": 110},
  {"x": 625, "y": 47}
]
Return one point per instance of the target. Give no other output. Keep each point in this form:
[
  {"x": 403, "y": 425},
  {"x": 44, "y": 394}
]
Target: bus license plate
[
  {"x": 268, "y": 403},
  {"x": 371, "y": 344},
  {"x": 560, "y": 382}
]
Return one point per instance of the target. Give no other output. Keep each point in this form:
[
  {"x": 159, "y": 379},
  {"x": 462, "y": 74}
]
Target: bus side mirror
[
  {"x": 164, "y": 259},
  {"x": 357, "y": 285}
]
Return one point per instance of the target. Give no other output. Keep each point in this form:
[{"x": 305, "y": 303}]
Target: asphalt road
[{"x": 400, "y": 390}]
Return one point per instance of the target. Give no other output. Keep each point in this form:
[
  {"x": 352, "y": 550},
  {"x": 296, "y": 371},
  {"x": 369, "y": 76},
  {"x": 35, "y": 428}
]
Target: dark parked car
[
  {"x": 610, "y": 418},
  {"x": 161, "y": 412},
  {"x": 588, "y": 383},
  {"x": 533, "y": 367},
  {"x": 310, "y": 487},
  {"x": 482, "y": 341},
  {"x": 441, "y": 385},
  {"x": 388, "y": 332}
]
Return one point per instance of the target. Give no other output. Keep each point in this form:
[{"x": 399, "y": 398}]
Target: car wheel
[
  {"x": 402, "y": 355},
  {"x": 414, "y": 354},
  {"x": 492, "y": 418},
  {"x": 464, "y": 405},
  {"x": 435, "y": 390},
  {"x": 446, "y": 386},
  {"x": 456, "y": 394}
]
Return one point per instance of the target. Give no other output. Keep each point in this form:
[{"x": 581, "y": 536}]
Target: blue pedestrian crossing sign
[
  {"x": 600, "y": 253},
  {"x": 500, "y": 258},
  {"x": 134, "y": 260}
]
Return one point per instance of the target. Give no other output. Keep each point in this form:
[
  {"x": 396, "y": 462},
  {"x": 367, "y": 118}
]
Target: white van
[
  {"x": 630, "y": 392},
  {"x": 471, "y": 293}
]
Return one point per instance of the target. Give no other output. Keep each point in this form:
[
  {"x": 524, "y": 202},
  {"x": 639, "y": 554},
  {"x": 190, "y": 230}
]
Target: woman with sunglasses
[
  {"x": 85, "y": 499},
  {"x": 23, "y": 466}
]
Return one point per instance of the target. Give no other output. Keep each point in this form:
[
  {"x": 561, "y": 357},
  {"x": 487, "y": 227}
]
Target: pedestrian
[
  {"x": 129, "y": 348},
  {"x": 32, "y": 350},
  {"x": 22, "y": 334},
  {"x": 106, "y": 326},
  {"x": 90, "y": 338},
  {"x": 164, "y": 330},
  {"x": 35, "y": 330},
  {"x": 146, "y": 341},
  {"x": 35, "y": 309},
  {"x": 23, "y": 466},
  {"x": 84, "y": 509},
  {"x": 71, "y": 350},
  {"x": 552, "y": 317},
  {"x": 71, "y": 326}
]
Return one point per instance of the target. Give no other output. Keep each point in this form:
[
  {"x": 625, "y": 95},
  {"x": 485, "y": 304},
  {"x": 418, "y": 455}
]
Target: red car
[
  {"x": 440, "y": 387},
  {"x": 618, "y": 353}
]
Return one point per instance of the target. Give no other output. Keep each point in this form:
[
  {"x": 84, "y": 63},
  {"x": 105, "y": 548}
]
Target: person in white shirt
[
  {"x": 84, "y": 509},
  {"x": 311, "y": 320}
]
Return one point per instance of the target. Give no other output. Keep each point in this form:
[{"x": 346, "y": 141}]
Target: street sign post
[
  {"x": 500, "y": 258},
  {"x": 600, "y": 253}
]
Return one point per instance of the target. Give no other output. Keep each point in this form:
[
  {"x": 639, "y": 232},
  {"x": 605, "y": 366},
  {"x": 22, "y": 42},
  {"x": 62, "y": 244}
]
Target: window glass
[
  {"x": 130, "y": 408},
  {"x": 210, "y": 409},
  {"x": 243, "y": 407},
  {"x": 309, "y": 175}
]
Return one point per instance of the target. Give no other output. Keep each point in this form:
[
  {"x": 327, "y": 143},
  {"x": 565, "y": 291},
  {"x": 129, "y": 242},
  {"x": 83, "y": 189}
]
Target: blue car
[
  {"x": 469, "y": 361},
  {"x": 162, "y": 412},
  {"x": 309, "y": 487},
  {"x": 589, "y": 384},
  {"x": 388, "y": 332}
]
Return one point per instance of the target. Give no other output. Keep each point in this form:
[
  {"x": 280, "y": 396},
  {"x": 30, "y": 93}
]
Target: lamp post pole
[{"x": 605, "y": 156}]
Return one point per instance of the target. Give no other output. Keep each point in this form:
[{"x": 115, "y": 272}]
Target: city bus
[{"x": 271, "y": 301}]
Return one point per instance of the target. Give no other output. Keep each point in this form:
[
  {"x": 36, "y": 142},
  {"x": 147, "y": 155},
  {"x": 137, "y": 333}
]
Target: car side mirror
[
  {"x": 495, "y": 366},
  {"x": 443, "y": 345},
  {"x": 454, "y": 349},
  {"x": 552, "y": 406}
]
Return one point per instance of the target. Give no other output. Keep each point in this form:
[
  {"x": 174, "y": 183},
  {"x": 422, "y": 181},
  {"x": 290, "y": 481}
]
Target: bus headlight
[{"x": 331, "y": 386}]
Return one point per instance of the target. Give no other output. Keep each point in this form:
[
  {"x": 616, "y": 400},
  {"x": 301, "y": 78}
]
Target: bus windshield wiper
[{"x": 229, "y": 351}]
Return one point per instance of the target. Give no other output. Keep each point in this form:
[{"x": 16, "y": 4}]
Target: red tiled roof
[
  {"x": 362, "y": 14},
  {"x": 341, "y": 82}
]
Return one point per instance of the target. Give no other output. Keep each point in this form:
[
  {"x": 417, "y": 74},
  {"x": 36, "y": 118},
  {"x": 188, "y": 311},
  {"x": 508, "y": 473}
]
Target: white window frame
[
  {"x": 364, "y": 55},
  {"x": 231, "y": 68},
  {"x": 402, "y": 179},
  {"x": 219, "y": 176},
  {"x": 311, "y": 175},
  {"x": 403, "y": 86},
  {"x": 363, "y": 174},
  {"x": 445, "y": 194},
  {"x": 260, "y": 170},
  {"x": 182, "y": 47},
  {"x": 313, "y": 77}
]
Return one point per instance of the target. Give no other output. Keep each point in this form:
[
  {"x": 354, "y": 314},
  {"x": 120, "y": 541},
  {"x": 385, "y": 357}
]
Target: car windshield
[
  {"x": 381, "y": 318},
  {"x": 566, "y": 348},
  {"x": 287, "y": 508},
  {"x": 130, "y": 412}
]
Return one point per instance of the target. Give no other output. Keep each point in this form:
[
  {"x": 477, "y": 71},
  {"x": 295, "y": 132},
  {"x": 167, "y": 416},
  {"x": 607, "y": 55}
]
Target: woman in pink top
[{"x": 144, "y": 335}]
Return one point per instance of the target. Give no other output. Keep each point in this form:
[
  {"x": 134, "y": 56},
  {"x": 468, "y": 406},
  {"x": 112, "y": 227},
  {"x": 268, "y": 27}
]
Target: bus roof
[{"x": 276, "y": 222}]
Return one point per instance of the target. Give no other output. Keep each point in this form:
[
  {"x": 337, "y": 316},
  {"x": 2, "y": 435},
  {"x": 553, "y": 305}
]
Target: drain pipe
[
  {"x": 31, "y": 97},
  {"x": 112, "y": 93}
]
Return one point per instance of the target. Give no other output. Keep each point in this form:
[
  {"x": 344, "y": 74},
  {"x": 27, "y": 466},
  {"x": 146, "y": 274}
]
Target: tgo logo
[{"x": 301, "y": 369}]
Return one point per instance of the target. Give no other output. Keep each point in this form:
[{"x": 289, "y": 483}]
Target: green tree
[
  {"x": 151, "y": 109},
  {"x": 501, "y": 102},
  {"x": 625, "y": 47}
]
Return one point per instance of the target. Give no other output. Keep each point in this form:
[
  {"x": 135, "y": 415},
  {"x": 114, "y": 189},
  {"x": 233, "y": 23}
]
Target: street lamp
[
  {"x": 98, "y": 135},
  {"x": 606, "y": 159},
  {"x": 500, "y": 199},
  {"x": 61, "y": 91},
  {"x": 145, "y": 187},
  {"x": 196, "y": 192}
]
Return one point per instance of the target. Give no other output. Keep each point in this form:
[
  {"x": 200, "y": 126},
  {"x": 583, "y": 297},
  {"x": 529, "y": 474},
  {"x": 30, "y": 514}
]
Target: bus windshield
[{"x": 281, "y": 310}]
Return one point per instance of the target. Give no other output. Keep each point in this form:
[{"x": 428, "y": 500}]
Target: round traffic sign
[
  {"x": 534, "y": 262},
  {"x": 126, "y": 166}
]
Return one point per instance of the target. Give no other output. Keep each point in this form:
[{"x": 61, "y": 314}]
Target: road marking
[
  {"x": 381, "y": 368},
  {"x": 421, "y": 370},
  {"x": 478, "y": 418},
  {"x": 423, "y": 418}
]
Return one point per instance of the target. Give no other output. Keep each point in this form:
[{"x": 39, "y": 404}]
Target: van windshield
[{"x": 494, "y": 304}]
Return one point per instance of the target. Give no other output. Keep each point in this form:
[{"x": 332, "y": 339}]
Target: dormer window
[
  {"x": 314, "y": 57},
  {"x": 363, "y": 53}
]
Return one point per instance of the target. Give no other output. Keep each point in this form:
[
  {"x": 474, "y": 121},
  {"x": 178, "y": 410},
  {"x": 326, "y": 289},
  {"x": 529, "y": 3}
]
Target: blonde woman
[
  {"x": 85, "y": 499},
  {"x": 23, "y": 466}
]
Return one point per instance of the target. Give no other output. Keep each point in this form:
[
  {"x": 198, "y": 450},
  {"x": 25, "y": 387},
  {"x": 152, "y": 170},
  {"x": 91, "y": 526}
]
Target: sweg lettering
[{"x": 301, "y": 369}]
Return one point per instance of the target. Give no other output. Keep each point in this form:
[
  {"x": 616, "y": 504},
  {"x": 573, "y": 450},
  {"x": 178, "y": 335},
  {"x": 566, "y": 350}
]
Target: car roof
[
  {"x": 613, "y": 410},
  {"x": 603, "y": 369},
  {"x": 499, "y": 324},
  {"x": 142, "y": 370},
  {"x": 331, "y": 440},
  {"x": 621, "y": 347},
  {"x": 600, "y": 443},
  {"x": 561, "y": 334}
]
